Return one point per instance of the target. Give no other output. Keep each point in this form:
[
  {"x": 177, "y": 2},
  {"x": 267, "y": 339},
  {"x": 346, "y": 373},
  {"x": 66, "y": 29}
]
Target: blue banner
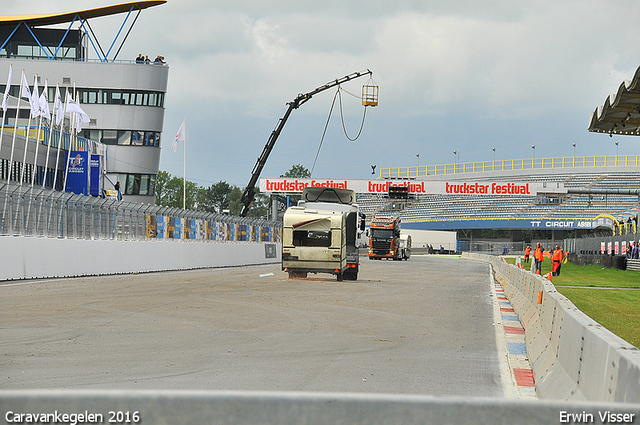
[
  {"x": 77, "y": 172},
  {"x": 95, "y": 185},
  {"x": 601, "y": 221}
]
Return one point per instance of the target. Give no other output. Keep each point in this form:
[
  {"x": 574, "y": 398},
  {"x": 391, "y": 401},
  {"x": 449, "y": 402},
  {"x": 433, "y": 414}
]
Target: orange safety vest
[
  {"x": 538, "y": 255},
  {"x": 557, "y": 255},
  {"x": 527, "y": 251}
]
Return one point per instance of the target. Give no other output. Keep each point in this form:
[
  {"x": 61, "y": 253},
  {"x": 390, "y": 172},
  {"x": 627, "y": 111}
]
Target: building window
[
  {"x": 119, "y": 97},
  {"x": 119, "y": 137},
  {"x": 137, "y": 184}
]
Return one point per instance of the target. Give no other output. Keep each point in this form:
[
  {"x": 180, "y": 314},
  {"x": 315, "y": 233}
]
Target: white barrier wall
[
  {"x": 28, "y": 257},
  {"x": 285, "y": 408},
  {"x": 573, "y": 357}
]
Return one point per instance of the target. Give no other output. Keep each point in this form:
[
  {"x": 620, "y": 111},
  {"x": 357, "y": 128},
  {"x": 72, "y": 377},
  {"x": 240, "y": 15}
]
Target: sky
[{"x": 463, "y": 76}]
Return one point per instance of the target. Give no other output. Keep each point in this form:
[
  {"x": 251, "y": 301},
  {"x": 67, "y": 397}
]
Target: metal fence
[
  {"x": 35, "y": 211},
  {"x": 512, "y": 165}
]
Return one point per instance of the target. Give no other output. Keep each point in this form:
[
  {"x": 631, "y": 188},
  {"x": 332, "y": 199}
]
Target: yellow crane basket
[{"x": 369, "y": 95}]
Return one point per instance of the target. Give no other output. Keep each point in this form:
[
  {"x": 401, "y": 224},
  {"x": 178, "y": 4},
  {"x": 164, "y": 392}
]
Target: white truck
[{"x": 319, "y": 235}]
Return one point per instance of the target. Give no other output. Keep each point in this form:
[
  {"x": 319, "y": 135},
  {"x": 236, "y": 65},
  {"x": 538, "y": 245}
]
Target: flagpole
[
  {"x": 35, "y": 159},
  {"x": 26, "y": 133},
  {"x": 4, "y": 117},
  {"x": 46, "y": 162},
  {"x": 66, "y": 170},
  {"x": 4, "y": 111},
  {"x": 55, "y": 170},
  {"x": 15, "y": 127},
  {"x": 184, "y": 170}
]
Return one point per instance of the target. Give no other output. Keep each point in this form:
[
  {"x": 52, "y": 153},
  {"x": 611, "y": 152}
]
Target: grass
[{"x": 610, "y": 297}]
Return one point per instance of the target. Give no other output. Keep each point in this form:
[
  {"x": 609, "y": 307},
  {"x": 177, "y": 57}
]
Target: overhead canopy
[
  {"x": 620, "y": 113},
  {"x": 62, "y": 18}
]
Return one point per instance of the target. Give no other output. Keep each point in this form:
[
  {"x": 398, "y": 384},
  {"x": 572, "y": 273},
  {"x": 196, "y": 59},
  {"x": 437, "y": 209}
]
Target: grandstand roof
[
  {"x": 61, "y": 18},
  {"x": 620, "y": 113}
]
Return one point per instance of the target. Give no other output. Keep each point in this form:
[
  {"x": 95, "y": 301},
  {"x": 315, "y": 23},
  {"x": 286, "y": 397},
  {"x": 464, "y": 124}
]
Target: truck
[
  {"x": 386, "y": 241},
  {"x": 319, "y": 234}
]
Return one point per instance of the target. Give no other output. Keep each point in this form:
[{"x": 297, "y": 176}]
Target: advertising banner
[
  {"x": 171, "y": 225},
  {"x": 457, "y": 187},
  {"x": 152, "y": 225},
  {"x": 178, "y": 228},
  {"x": 95, "y": 186},
  {"x": 77, "y": 172},
  {"x": 221, "y": 232},
  {"x": 161, "y": 227},
  {"x": 513, "y": 223}
]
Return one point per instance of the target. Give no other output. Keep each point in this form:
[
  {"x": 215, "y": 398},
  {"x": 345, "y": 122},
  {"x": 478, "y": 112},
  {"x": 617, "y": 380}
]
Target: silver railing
[{"x": 40, "y": 212}]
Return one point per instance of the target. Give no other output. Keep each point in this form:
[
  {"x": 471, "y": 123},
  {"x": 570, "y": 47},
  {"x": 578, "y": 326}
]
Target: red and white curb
[{"x": 515, "y": 368}]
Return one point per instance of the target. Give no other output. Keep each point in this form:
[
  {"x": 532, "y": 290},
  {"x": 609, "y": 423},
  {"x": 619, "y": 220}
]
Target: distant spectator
[
  {"x": 527, "y": 253},
  {"x": 159, "y": 60},
  {"x": 538, "y": 256},
  {"x": 147, "y": 60},
  {"x": 504, "y": 250},
  {"x": 556, "y": 261},
  {"x": 140, "y": 58}
]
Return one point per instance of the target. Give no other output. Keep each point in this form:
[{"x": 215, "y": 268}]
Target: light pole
[
  {"x": 494, "y": 154},
  {"x": 534, "y": 151},
  {"x": 617, "y": 145},
  {"x": 574, "y": 150}
]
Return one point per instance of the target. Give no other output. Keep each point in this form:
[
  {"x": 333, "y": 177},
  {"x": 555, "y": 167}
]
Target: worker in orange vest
[
  {"x": 527, "y": 253},
  {"x": 538, "y": 256},
  {"x": 556, "y": 261}
]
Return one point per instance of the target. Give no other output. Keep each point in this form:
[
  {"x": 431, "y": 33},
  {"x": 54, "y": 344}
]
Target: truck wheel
[
  {"x": 297, "y": 275},
  {"x": 340, "y": 276}
]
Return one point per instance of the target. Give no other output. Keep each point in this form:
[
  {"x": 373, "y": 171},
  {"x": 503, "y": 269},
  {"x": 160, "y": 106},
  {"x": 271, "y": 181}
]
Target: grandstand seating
[{"x": 432, "y": 207}]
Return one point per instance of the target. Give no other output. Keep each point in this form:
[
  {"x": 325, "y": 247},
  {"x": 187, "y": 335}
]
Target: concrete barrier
[
  {"x": 573, "y": 357},
  {"x": 29, "y": 257},
  {"x": 284, "y": 408}
]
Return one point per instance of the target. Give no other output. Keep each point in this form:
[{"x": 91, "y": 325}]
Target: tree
[
  {"x": 214, "y": 198},
  {"x": 298, "y": 171},
  {"x": 235, "y": 203},
  {"x": 169, "y": 191},
  {"x": 162, "y": 180}
]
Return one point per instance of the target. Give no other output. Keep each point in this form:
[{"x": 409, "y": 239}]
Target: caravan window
[{"x": 321, "y": 238}]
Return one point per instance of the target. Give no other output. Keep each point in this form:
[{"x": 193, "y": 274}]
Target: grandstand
[{"x": 460, "y": 211}]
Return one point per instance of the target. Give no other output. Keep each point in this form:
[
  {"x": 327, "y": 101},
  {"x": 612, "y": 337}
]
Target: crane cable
[
  {"x": 338, "y": 94},
  {"x": 364, "y": 115},
  {"x": 325, "y": 131}
]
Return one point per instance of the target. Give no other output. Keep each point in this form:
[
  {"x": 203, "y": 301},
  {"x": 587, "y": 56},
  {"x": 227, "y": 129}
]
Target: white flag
[
  {"x": 181, "y": 136},
  {"x": 5, "y": 98},
  {"x": 24, "y": 91},
  {"x": 59, "y": 106},
  {"x": 81, "y": 116},
  {"x": 44, "y": 102},
  {"x": 35, "y": 100}
]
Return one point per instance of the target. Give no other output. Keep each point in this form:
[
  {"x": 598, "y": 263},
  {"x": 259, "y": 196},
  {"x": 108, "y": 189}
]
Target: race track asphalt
[{"x": 423, "y": 326}]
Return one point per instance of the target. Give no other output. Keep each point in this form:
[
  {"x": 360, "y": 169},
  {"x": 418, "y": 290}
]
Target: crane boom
[{"x": 248, "y": 196}]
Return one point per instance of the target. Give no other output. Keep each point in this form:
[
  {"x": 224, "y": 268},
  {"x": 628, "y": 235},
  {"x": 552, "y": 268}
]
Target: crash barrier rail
[
  {"x": 287, "y": 408},
  {"x": 29, "y": 211},
  {"x": 573, "y": 357},
  {"x": 512, "y": 165},
  {"x": 604, "y": 244}
]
